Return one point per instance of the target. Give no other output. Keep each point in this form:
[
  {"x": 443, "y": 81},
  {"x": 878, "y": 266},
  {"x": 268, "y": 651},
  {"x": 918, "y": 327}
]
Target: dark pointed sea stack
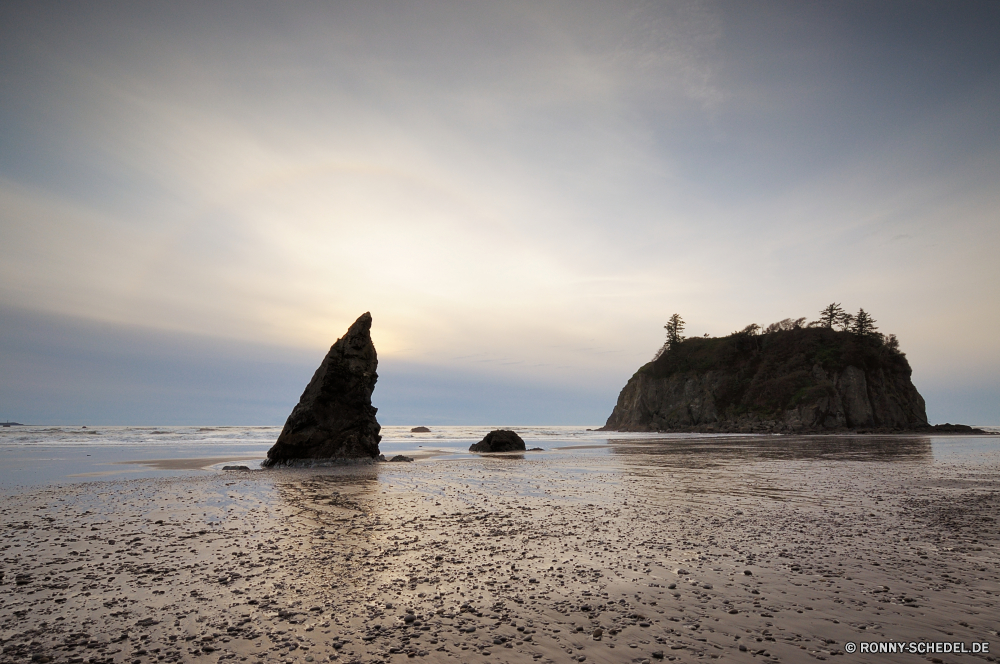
[
  {"x": 334, "y": 419},
  {"x": 499, "y": 440}
]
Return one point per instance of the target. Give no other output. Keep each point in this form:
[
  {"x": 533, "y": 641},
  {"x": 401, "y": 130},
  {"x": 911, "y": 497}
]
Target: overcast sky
[{"x": 521, "y": 194}]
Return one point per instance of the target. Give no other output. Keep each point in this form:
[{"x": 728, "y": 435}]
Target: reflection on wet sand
[
  {"x": 706, "y": 452},
  {"x": 329, "y": 515}
]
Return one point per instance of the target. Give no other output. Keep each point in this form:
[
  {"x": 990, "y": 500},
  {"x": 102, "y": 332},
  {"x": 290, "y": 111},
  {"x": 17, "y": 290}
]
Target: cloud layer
[{"x": 518, "y": 192}]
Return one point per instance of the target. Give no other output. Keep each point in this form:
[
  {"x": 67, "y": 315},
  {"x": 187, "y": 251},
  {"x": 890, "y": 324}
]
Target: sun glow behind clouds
[
  {"x": 465, "y": 214},
  {"x": 521, "y": 190}
]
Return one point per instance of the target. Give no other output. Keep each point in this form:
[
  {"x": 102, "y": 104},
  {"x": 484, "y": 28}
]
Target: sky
[{"x": 197, "y": 199}]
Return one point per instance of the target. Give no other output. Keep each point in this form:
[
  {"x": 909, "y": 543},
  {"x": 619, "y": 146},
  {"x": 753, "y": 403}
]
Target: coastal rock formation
[
  {"x": 420, "y": 430},
  {"x": 499, "y": 440},
  {"x": 334, "y": 419},
  {"x": 802, "y": 380}
]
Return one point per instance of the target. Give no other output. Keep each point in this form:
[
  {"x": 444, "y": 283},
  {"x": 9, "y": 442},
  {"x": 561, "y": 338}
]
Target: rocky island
[
  {"x": 334, "y": 420},
  {"x": 789, "y": 377}
]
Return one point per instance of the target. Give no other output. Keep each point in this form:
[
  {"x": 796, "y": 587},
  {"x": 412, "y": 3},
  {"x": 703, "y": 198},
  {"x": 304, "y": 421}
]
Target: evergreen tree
[
  {"x": 674, "y": 327},
  {"x": 846, "y": 322},
  {"x": 863, "y": 324},
  {"x": 831, "y": 315}
]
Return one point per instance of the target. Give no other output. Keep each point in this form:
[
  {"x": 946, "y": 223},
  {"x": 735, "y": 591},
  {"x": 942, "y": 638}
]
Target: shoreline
[
  {"x": 933, "y": 430},
  {"x": 181, "y": 450}
]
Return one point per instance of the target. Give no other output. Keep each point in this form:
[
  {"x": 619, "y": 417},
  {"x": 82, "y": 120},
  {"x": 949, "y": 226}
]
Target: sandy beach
[{"x": 726, "y": 549}]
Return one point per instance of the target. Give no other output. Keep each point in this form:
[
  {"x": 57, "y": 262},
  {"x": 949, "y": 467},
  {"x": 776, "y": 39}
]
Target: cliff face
[{"x": 802, "y": 380}]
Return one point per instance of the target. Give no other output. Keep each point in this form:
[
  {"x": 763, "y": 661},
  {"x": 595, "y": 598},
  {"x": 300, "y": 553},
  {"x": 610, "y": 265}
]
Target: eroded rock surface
[
  {"x": 805, "y": 380},
  {"x": 334, "y": 419}
]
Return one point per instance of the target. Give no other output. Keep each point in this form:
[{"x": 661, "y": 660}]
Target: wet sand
[
  {"x": 183, "y": 464},
  {"x": 688, "y": 551}
]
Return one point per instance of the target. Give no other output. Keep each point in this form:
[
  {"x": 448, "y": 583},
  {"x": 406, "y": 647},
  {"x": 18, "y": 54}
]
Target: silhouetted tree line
[
  {"x": 861, "y": 324},
  {"x": 832, "y": 316}
]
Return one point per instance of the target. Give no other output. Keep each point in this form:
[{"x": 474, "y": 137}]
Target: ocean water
[{"x": 33, "y": 455}]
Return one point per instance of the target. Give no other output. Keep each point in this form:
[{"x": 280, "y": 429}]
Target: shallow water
[{"x": 33, "y": 455}]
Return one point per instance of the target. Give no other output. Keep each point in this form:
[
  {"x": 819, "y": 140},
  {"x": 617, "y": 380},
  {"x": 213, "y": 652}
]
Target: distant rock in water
[
  {"x": 947, "y": 427},
  {"x": 420, "y": 430},
  {"x": 499, "y": 440},
  {"x": 800, "y": 380},
  {"x": 334, "y": 419}
]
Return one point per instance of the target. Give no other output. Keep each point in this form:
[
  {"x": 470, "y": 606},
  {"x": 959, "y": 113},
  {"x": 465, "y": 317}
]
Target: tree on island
[
  {"x": 831, "y": 315},
  {"x": 863, "y": 325},
  {"x": 674, "y": 327},
  {"x": 785, "y": 325},
  {"x": 748, "y": 338}
]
